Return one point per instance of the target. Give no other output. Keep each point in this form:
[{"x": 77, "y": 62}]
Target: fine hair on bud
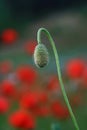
[{"x": 41, "y": 56}]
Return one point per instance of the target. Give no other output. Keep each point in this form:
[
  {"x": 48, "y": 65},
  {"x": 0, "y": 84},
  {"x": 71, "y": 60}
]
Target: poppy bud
[{"x": 41, "y": 56}]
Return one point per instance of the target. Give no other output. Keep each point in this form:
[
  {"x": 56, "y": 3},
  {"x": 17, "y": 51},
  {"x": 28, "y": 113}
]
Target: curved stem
[{"x": 58, "y": 72}]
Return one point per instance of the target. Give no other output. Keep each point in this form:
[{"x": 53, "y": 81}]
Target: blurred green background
[{"x": 66, "y": 21}]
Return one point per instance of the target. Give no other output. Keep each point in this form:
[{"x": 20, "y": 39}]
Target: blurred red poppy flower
[
  {"x": 26, "y": 74},
  {"x": 4, "y": 105},
  {"x": 59, "y": 111},
  {"x": 43, "y": 97},
  {"x": 53, "y": 83},
  {"x": 9, "y": 36},
  {"x": 74, "y": 68},
  {"x": 5, "y": 67},
  {"x": 21, "y": 119},
  {"x": 30, "y": 46},
  {"x": 8, "y": 88},
  {"x": 30, "y": 100},
  {"x": 41, "y": 111}
]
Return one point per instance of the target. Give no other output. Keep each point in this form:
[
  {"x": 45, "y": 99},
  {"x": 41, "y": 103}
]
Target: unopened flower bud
[{"x": 41, "y": 56}]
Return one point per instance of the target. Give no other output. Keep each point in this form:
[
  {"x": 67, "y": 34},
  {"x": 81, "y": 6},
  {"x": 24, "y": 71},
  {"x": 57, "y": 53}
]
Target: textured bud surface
[{"x": 41, "y": 56}]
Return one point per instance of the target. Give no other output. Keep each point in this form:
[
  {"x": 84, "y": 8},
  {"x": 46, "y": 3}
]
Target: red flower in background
[
  {"x": 21, "y": 119},
  {"x": 74, "y": 68},
  {"x": 43, "y": 97},
  {"x": 30, "y": 46},
  {"x": 9, "y": 36},
  {"x": 8, "y": 88},
  {"x": 5, "y": 67},
  {"x": 4, "y": 105},
  {"x": 26, "y": 74},
  {"x": 30, "y": 100},
  {"x": 53, "y": 83},
  {"x": 59, "y": 111},
  {"x": 41, "y": 111}
]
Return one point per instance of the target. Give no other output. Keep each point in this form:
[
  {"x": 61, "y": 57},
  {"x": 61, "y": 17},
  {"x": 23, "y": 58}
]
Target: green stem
[{"x": 58, "y": 72}]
